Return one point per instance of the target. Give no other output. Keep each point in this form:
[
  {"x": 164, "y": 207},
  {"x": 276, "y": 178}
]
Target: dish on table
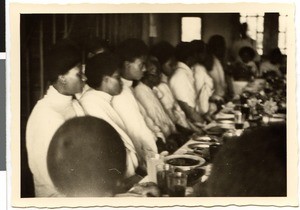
[
  {"x": 217, "y": 130},
  {"x": 199, "y": 146},
  {"x": 279, "y": 115},
  {"x": 224, "y": 116},
  {"x": 184, "y": 162},
  {"x": 221, "y": 121},
  {"x": 200, "y": 149},
  {"x": 205, "y": 139}
]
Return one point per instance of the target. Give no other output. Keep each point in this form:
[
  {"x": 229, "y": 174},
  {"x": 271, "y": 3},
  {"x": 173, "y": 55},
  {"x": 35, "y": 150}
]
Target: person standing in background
[
  {"x": 246, "y": 69},
  {"x": 244, "y": 40}
]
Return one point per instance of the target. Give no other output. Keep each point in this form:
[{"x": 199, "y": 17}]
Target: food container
[{"x": 184, "y": 162}]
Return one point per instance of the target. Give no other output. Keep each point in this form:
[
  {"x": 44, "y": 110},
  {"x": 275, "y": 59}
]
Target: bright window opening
[
  {"x": 190, "y": 28},
  {"x": 255, "y": 23},
  {"x": 282, "y": 32}
]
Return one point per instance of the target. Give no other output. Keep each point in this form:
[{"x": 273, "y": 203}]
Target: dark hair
[
  {"x": 86, "y": 157},
  {"x": 184, "y": 51},
  {"x": 96, "y": 43},
  {"x": 247, "y": 51},
  {"x": 163, "y": 51},
  {"x": 199, "y": 45},
  {"x": 62, "y": 57},
  {"x": 131, "y": 49},
  {"x": 153, "y": 61},
  {"x": 149, "y": 78},
  {"x": 252, "y": 165},
  {"x": 200, "y": 49},
  {"x": 217, "y": 46},
  {"x": 104, "y": 64}
]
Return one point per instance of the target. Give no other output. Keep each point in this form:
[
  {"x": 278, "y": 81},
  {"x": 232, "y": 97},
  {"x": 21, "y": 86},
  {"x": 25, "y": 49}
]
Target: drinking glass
[
  {"x": 177, "y": 182},
  {"x": 152, "y": 161},
  {"x": 162, "y": 172},
  {"x": 239, "y": 120}
]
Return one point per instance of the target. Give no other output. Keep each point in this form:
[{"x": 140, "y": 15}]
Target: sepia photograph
[{"x": 153, "y": 105}]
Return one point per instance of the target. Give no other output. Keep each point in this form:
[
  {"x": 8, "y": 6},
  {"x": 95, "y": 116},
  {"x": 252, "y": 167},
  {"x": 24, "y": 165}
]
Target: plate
[
  {"x": 224, "y": 116},
  {"x": 199, "y": 146},
  {"x": 205, "y": 138},
  {"x": 225, "y": 121},
  {"x": 217, "y": 130},
  {"x": 184, "y": 162},
  {"x": 201, "y": 138},
  {"x": 279, "y": 115}
]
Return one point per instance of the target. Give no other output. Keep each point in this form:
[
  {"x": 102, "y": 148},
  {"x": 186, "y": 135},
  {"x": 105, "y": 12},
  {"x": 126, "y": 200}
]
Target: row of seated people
[{"x": 154, "y": 103}]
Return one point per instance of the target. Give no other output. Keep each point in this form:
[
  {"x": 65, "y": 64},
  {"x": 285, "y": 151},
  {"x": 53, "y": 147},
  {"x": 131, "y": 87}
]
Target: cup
[
  {"x": 245, "y": 109},
  {"x": 177, "y": 182},
  {"x": 152, "y": 161},
  {"x": 162, "y": 172},
  {"x": 238, "y": 120}
]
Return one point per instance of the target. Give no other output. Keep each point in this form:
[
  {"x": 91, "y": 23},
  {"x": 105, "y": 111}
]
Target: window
[
  {"x": 190, "y": 28},
  {"x": 255, "y": 23},
  {"x": 282, "y": 32}
]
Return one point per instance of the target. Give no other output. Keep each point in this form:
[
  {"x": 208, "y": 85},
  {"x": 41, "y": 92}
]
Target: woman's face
[
  {"x": 135, "y": 70},
  {"x": 74, "y": 80},
  {"x": 152, "y": 75},
  {"x": 113, "y": 84},
  {"x": 169, "y": 66}
]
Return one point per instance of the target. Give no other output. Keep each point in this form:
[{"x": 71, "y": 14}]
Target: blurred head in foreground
[
  {"x": 86, "y": 158},
  {"x": 254, "y": 165}
]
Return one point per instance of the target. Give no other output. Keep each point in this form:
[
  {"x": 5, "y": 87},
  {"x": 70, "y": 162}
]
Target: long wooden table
[{"x": 185, "y": 149}]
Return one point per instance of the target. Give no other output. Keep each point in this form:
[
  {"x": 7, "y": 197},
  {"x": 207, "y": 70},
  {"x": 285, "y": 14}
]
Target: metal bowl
[{"x": 184, "y": 162}]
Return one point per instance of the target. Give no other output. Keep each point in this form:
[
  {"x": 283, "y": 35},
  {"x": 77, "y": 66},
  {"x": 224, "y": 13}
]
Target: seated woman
[
  {"x": 252, "y": 165},
  {"x": 165, "y": 67},
  {"x": 164, "y": 94},
  {"x": 145, "y": 95},
  {"x": 182, "y": 82},
  {"x": 217, "y": 49},
  {"x": 87, "y": 158},
  {"x": 246, "y": 69},
  {"x": 104, "y": 79},
  {"x": 142, "y": 131},
  {"x": 63, "y": 71},
  {"x": 165, "y": 53},
  {"x": 203, "y": 82}
]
